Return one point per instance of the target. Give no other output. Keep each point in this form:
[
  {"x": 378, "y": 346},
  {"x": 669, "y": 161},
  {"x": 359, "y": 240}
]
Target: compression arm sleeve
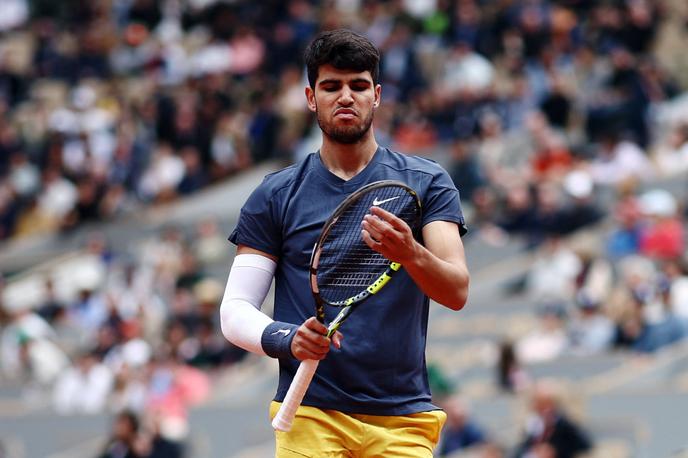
[{"x": 241, "y": 320}]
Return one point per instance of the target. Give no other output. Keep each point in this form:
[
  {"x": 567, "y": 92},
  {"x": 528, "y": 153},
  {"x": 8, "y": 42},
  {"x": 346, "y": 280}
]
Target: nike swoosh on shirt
[
  {"x": 285, "y": 332},
  {"x": 380, "y": 202}
]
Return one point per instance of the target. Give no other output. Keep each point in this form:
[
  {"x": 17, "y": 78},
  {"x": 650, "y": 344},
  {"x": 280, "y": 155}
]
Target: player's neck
[{"x": 347, "y": 160}]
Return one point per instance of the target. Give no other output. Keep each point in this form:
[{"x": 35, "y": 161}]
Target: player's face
[{"x": 344, "y": 102}]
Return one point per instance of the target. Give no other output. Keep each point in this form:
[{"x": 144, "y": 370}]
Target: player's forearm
[
  {"x": 241, "y": 320},
  {"x": 443, "y": 281},
  {"x": 243, "y": 325}
]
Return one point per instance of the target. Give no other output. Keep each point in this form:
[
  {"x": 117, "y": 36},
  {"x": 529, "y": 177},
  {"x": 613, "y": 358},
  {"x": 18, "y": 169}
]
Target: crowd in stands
[
  {"x": 109, "y": 105},
  {"x": 538, "y": 108},
  {"x": 124, "y": 332},
  {"x": 551, "y": 428}
]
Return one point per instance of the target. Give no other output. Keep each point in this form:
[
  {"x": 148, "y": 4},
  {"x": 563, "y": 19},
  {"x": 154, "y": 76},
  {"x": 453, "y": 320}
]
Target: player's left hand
[{"x": 388, "y": 235}]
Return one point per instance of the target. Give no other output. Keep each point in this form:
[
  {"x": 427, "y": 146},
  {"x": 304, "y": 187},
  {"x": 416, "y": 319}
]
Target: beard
[{"x": 345, "y": 134}]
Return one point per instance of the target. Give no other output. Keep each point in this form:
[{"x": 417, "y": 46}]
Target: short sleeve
[
  {"x": 442, "y": 202},
  {"x": 259, "y": 222}
]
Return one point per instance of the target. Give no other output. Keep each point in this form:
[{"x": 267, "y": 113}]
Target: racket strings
[{"x": 347, "y": 265}]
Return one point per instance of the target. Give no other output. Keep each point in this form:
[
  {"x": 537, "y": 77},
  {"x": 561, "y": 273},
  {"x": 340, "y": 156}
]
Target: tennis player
[{"x": 370, "y": 394}]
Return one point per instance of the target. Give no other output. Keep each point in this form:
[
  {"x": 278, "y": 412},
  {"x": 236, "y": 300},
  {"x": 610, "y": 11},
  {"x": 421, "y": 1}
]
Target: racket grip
[{"x": 297, "y": 390}]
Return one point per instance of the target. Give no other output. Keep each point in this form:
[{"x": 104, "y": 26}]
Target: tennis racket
[{"x": 344, "y": 271}]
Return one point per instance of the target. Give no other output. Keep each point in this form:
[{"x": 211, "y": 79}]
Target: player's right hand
[{"x": 311, "y": 342}]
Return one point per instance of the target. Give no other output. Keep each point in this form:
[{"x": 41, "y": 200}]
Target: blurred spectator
[
  {"x": 124, "y": 441},
  {"x": 173, "y": 388},
  {"x": 155, "y": 445},
  {"x": 132, "y": 437},
  {"x": 129, "y": 390},
  {"x": 400, "y": 67},
  {"x": 209, "y": 242},
  {"x": 626, "y": 103},
  {"x": 554, "y": 272},
  {"x": 619, "y": 161},
  {"x": 42, "y": 363},
  {"x": 671, "y": 155},
  {"x": 51, "y": 309},
  {"x": 131, "y": 350},
  {"x": 624, "y": 238},
  {"x": 550, "y": 217},
  {"x": 83, "y": 388},
  {"x": 165, "y": 172},
  {"x": 549, "y": 340},
  {"x": 551, "y": 158},
  {"x": 465, "y": 170},
  {"x": 549, "y": 430},
  {"x": 511, "y": 375},
  {"x": 466, "y": 73},
  {"x": 663, "y": 237},
  {"x": 28, "y": 350},
  {"x": 583, "y": 209},
  {"x": 557, "y": 103},
  {"x": 644, "y": 323},
  {"x": 460, "y": 430},
  {"x": 675, "y": 287},
  {"x": 519, "y": 213},
  {"x": 89, "y": 311},
  {"x": 23, "y": 175},
  {"x": 596, "y": 276},
  {"x": 590, "y": 330}
]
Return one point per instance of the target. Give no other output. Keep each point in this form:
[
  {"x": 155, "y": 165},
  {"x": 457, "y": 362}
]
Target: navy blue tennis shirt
[{"x": 380, "y": 369}]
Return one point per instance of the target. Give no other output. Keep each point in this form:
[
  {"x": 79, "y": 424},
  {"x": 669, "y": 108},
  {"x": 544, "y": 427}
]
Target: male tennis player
[{"x": 370, "y": 394}]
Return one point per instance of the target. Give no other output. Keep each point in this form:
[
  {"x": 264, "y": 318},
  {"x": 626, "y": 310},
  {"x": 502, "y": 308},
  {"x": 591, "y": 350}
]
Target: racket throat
[{"x": 334, "y": 324}]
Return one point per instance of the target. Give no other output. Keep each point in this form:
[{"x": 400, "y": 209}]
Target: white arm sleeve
[{"x": 241, "y": 320}]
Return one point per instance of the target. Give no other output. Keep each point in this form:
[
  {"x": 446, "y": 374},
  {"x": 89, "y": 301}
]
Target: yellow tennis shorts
[{"x": 319, "y": 433}]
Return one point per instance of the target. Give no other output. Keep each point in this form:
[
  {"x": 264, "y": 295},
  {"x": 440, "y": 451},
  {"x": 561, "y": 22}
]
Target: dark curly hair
[{"x": 344, "y": 50}]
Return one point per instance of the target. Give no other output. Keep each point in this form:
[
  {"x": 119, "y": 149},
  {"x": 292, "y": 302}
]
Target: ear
[
  {"x": 378, "y": 96},
  {"x": 310, "y": 99}
]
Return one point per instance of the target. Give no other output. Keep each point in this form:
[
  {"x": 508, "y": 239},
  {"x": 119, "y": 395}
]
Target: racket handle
[{"x": 297, "y": 389}]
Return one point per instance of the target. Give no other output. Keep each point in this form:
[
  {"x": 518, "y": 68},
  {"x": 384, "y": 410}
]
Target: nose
[{"x": 345, "y": 97}]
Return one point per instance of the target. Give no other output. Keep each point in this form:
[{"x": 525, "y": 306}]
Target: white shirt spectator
[
  {"x": 626, "y": 161},
  {"x": 134, "y": 354},
  {"x": 58, "y": 197},
  {"x": 165, "y": 172},
  {"x": 83, "y": 388},
  {"x": 544, "y": 344},
  {"x": 465, "y": 69},
  {"x": 591, "y": 332},
  {"x": 46, "y": 360},
  {"x": 24, "y": 176},
  {"x": 678, "y": 297},
  {"x": 14, "y": 14},
  {"x": 26, "y": 325},
  {"x": 552, "y": 276}
]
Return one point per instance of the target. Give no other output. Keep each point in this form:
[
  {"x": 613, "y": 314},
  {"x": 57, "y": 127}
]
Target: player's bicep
[{"x": 442, "y": 239}]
